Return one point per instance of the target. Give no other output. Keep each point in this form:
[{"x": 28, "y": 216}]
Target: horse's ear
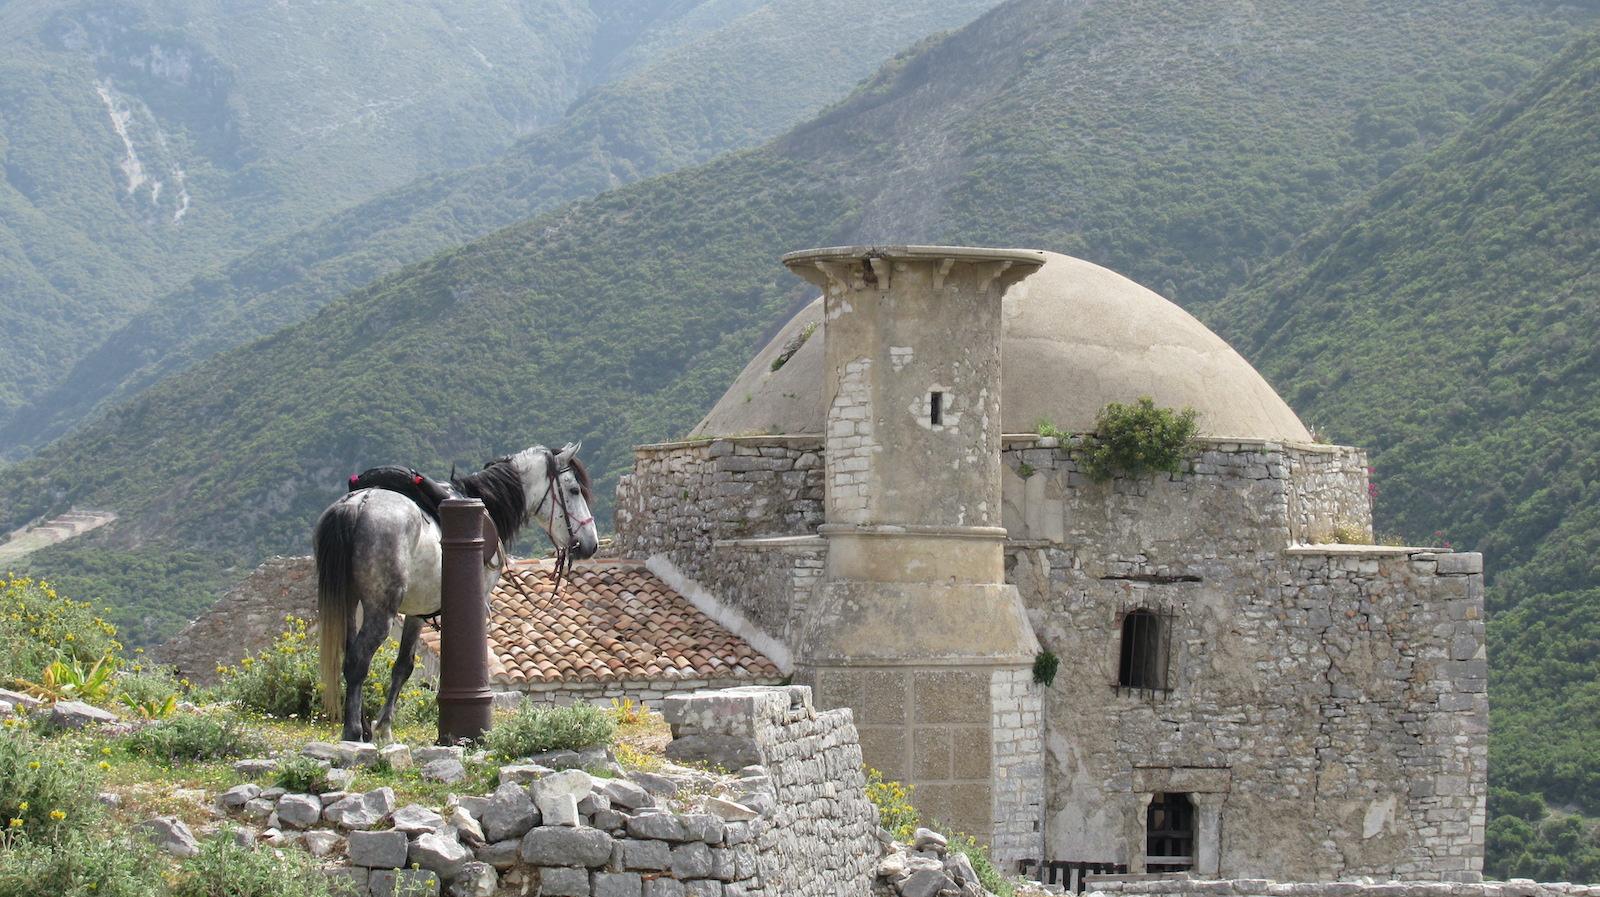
[{"x": 569, "y": 450}]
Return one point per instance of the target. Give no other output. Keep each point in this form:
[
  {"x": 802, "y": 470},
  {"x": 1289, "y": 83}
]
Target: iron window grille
[
  {"x": 1144, "y": 662},
  {"x": 1169, "y": 833}
]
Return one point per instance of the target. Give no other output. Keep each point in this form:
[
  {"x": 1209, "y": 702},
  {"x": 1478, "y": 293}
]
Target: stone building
[{"x": 1242, "y": 693}]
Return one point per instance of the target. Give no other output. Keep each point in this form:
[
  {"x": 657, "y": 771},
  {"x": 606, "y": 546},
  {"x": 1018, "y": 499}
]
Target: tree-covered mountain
[
  {"x": 620, "y": 319},
  {"x": 1450, "y": 322},
  {"x": 142, "y": 143},
  {"x": 704, "y": 79}
]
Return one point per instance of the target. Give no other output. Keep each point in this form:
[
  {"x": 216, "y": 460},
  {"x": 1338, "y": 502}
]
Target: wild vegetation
[
  {"x": 1138, "y": 440},
  {"x": 1449, "y": 322}
]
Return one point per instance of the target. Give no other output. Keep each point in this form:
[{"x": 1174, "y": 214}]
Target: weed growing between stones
[
  {"x": 196, "y": 737},
  {"x": 302, "y": 775},
  {"x": 896, "y": 815},
  {"x": 532, "y": 730},
  {"x": 988, "y": 875},
  {"x": 1139, "y": 439},
  {"x": 1045, "y": 664}
]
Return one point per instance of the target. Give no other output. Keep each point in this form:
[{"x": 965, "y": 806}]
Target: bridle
[{"x": 563, "y": 552}]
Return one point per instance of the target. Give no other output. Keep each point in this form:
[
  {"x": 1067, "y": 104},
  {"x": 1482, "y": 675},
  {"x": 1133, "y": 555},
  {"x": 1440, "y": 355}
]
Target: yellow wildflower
[
  {"x": 16, "y": 823},
  {"x": 58, "y": 815}
]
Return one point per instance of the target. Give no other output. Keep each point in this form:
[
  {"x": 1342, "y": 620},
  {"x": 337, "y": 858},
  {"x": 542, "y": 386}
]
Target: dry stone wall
[
  {"x": 244, "y": 620},
  {"x": 712, "y": 508}
]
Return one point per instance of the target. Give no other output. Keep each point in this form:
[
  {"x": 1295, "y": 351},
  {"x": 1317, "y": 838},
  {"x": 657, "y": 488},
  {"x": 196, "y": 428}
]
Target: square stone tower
[{"x": 914, "y": 627}]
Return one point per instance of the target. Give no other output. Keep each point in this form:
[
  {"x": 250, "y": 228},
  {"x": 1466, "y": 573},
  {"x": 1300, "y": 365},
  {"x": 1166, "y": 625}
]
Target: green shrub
[
  {"x": 45, "y": 792},
  {"x": 896, "y": 815},
  {"x": 978, "y": 855},
  {"x": 140, "y": 685},
  {"x": 302, "y": 775},
  {"x": 39, "y": 626},
  {"x": 195, "y": 737},
  {"x": 532, "y": 730},
  {"x": 284, "y": 681},
  {"x": 1045, "y": 665},
  {"x": 222, "y": 868},
  {"x": 1139, "y": 439},
  {"x": 1046, "y": 428},
  {"x": 79, "y": 865}
]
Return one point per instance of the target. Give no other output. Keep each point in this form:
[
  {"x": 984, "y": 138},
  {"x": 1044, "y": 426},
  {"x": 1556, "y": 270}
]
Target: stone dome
[{"x": 1077, "y": 336}]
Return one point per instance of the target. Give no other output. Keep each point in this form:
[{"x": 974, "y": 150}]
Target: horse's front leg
[
  {"x": 383, "y": 732},
  {"x": 359, "y": 647}
]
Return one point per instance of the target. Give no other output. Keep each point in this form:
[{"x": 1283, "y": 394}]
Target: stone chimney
[{"x": 914, "y": 627}]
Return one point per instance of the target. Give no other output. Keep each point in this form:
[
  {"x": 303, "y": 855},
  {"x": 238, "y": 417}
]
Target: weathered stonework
[
  {"x": 1181, "y": 885},
  {"x": 245, "y": 620}
]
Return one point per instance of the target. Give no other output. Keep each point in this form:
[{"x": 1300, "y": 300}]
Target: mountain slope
[
  {"x": 141, "y": 142},
  {"x": 1450, "y": 321},
  {"x": 695, "y": 91},
  {"x": 620, "y": 319}
]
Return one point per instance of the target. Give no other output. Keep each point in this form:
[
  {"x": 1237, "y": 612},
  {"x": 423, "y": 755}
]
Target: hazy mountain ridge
[
  {"x": 699, "y": 93},
  {"x": 141, "y": 143}
]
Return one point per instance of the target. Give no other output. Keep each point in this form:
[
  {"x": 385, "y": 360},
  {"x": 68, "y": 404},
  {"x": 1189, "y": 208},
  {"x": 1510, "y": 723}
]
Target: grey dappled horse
[{"x": 376, "y": 549}]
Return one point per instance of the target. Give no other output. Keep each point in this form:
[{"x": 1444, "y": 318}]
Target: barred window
[
  {"x": 1169, "y": 833},
  {"x": 1145, "y": 640}
]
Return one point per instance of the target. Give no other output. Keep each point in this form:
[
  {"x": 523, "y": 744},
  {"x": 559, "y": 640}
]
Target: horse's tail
[{"x": 332, "y": 543}]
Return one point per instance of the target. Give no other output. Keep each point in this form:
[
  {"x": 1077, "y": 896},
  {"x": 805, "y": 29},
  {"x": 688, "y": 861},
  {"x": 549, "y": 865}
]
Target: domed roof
[{"x": 1077, "y": 336}]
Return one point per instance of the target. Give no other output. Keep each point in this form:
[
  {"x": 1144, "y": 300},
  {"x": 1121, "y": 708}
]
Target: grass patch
[
  {"x": 533, "y": 730},
  {"x": 196, "y": 737}
]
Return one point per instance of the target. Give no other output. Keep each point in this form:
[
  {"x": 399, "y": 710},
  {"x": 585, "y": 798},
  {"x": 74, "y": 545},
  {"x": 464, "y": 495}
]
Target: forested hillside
[
  {"x": 1450, "y": 321},
  {"x": 619, "y": 319},
  {"x": 142, "y": 143},
  {"x": 705, "y": 79}
]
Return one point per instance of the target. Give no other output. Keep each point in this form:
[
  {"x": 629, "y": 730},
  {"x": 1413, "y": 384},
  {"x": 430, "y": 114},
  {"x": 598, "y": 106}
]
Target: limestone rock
[
  {"x": 320, "y": 842},
  {"x": 441, "y": 852},
  {"x": 727, "y": 751},
  {"x": 362, "y": 810},
  {"x": 72, "y": 715},
  {"x": 171, "y": 835},
  {"x": 659, "y": 785},
  {"x": 466, "y": 827},
  {"x": 474, "y": 880},
  {"x": 928, "y": 839},
  {"x": 398, "y": 756},
  {"x": 625, "y": 794},
  {"x": 377, "y": 850},
  {"x": 659, "y": 827},
  {"x": 559, "y": 809},
  {"x": 554, "y": 846},
  {"x": 926, "y": 883},
  {"x": 501, "y": 854},
  {"x": 523, "y": 773},
  {"x": 415, "y": 818},
  {"x": 403, "y": 883},
  {"x": 255, "y": 768},
  {"x": 559, "y": 882},
  {"x": 425, "y": 755},
  {"x": 648, "y": 856},
  {"x": 618, "y": 884},
  {"x": 447, "y": 770},
  {"x": 234, "y": 799},
  {"x": 509, "y": 814},
  {"x": 729, "y": 810},
  {"x": 299, "y": 811},
  {"x": 258, "y": 809}
]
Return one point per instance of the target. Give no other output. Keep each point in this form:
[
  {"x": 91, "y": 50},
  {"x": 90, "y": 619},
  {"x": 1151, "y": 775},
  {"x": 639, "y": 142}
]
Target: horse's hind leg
[
  {"x": 403, "y": 664},
  {"x": 359, "y": 647}
]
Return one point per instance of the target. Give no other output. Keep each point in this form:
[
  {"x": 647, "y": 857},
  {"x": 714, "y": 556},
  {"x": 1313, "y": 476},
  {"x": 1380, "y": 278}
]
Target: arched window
[
  {"x": 1169, "y": 833},
  {"x": 1144, "y": 651}
]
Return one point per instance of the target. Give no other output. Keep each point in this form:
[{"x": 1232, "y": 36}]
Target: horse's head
[{"x": 561, "y": 504}]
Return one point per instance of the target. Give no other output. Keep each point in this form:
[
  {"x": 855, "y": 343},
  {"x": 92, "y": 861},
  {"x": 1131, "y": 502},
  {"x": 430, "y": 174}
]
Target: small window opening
[
  {"x": 1169, "y": 833},
  {"x": 1143, "y": 662},
  {"x": 936, "y": 408}
]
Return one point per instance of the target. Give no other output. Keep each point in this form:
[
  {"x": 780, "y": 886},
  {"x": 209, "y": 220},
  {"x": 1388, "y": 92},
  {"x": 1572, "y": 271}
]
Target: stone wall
[
  {"x": 1140, "y": 886},
  {"x": 245, "y": 620},
  {"x": 822, "y": 837},
  {"x": 1329, "y": 498},
  {"x": 1323, "y": 708},
  {"x": 650, "y": 693},
  {"x": 718, "y": 511}
]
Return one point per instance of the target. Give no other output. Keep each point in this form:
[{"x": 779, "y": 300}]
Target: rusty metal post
[{"x": 464, "y": 696}]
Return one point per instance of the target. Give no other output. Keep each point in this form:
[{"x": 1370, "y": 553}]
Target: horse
[{"x": 376, "y": 550}]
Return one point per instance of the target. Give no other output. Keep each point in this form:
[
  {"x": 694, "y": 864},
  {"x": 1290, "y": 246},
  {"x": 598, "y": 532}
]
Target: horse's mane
[
  {"x": 582, "y": 473},
  {"x": 500, "y": 488}
]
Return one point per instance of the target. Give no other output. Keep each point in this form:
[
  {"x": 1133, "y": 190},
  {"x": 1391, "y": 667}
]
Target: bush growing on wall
[{"x": 1139, "y": 439}]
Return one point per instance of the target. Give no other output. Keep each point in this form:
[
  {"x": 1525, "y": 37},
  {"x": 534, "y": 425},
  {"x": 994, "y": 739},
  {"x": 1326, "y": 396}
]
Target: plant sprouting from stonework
[
  {"x": 1139, "y": 440},
  {"x": 794, "y": 344},
  {"x": 1045, "y": 665}
]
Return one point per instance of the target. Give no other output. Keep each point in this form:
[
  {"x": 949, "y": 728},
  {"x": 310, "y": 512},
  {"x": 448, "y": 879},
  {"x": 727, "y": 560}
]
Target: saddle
[{"x": 426, "y": 494}]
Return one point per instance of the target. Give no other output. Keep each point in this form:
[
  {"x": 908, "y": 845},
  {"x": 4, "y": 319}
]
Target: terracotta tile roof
[{"x": 613, "y": 620}]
